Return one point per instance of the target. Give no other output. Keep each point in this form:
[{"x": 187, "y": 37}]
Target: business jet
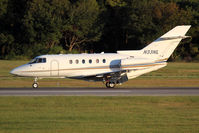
[{"x": 110, "y": 68}]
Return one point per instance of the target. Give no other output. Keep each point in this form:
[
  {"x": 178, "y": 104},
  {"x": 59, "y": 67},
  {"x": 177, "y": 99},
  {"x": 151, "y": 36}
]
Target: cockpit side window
[
  {"x": 32, "y": 61},
  {"x": 38, "y": 60},
  {"x": 44, "y": 60}
]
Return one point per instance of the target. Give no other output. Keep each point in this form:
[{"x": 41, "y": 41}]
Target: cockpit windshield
[{"x": 38, "y": 60}]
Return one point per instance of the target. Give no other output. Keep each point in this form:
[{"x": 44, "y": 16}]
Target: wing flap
[{"x": 117, "y": 77}]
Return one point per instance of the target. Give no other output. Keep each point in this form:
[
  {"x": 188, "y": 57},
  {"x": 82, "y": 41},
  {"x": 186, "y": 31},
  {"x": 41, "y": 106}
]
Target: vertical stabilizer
[{"x": 163, "y": 47}]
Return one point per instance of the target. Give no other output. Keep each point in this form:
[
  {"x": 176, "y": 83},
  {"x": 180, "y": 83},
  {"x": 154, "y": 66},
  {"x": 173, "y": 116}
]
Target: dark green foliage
[
  {"x": 43, "y": 23},
  {"x": 82, "y": 26},
  {"x": 31, "y": 28}
]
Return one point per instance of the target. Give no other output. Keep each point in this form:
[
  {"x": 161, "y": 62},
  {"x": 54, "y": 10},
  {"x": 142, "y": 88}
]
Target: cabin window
[
  {"x": 70, "y": 62},
  {"x": 76, "y": 61},
  {"x": 83, "y": 61},
  {"x": 90, "y": 61},
  {"x": 97, "y": 60},
  {"x": 104, "y": 60}
]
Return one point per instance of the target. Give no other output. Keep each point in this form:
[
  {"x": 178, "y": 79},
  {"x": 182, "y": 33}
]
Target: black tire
[
  {"x": 110, "y": 84},
  {"x": 34, "y": 85}
]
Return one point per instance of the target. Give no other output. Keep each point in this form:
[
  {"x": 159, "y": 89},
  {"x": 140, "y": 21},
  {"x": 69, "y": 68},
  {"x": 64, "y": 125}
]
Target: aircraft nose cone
[{"x": 14, "y": 71}]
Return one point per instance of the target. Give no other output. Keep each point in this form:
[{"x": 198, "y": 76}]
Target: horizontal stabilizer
[{"x": 174, "y": 37}]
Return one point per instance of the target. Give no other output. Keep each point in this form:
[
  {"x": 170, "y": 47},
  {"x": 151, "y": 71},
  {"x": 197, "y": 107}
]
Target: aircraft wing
[{"x": 119, "y": 76}]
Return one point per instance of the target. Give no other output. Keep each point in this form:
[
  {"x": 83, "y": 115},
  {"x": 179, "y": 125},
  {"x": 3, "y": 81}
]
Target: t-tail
[{"x": 163, "y": 47}]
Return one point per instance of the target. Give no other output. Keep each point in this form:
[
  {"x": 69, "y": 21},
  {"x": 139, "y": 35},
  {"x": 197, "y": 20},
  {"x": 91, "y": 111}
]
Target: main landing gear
[
  {"x": 110, "y": 84},
  {"x": 35, "y": 84}
]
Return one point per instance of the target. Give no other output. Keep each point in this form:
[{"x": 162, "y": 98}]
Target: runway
[{"x": 99, "y": 92}]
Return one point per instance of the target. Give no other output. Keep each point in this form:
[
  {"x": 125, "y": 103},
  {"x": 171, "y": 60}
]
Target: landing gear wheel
[
  {"x": 35, "y": 85},
  {"x": 110, "y": 84}
]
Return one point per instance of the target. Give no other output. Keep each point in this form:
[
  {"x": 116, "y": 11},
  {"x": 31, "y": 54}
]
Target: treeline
[{"x": 33, "y": 27}]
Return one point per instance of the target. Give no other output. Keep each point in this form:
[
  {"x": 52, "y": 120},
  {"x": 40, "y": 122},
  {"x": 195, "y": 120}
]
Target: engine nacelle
[
  {"x": 137, "y": 67},
  {"x": 132, "y": 63}
]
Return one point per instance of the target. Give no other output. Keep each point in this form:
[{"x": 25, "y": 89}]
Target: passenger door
[{"x": 54, "y": 68}]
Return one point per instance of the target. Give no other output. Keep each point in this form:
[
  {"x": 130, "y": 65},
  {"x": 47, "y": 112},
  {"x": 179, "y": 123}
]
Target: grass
[
  {"x": 173, "y": 75},
  {"x": 102, "y": 114},
  {"x": 99, "y": 114}
]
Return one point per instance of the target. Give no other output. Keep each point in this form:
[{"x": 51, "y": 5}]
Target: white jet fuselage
[{"x": 82, "y": 65}]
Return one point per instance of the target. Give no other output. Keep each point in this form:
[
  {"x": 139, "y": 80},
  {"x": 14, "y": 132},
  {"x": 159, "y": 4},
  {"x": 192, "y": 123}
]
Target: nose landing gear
[{"x": 35, "y": 84}]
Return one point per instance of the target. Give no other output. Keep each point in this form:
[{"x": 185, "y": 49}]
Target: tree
[
  {"x": 3, "y": 37},
  {"x": 192, "y": 48},
  {"x": 30, "y": 28},
  {"x": 11, "y": 13},
  {"x": 82, "y": 25},
  {"x": 148, "y": 19},
  {"x": 43, "y": 23},
  {"x": 114, "y": 17}
]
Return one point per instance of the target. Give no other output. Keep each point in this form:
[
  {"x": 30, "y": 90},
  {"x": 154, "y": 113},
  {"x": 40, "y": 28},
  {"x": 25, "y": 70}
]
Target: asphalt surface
[{"x": 99, "y": 92}]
